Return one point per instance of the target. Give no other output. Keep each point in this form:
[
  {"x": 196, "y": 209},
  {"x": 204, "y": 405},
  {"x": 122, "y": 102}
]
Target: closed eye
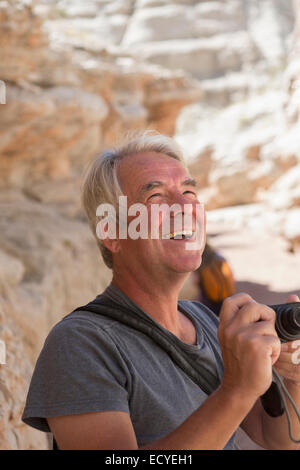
[
  {"x": 153, "y": 195},
  {"x": 190, "y": 192}
]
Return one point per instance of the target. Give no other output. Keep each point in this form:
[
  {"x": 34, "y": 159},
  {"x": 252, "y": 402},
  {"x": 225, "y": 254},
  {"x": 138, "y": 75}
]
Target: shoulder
[
  {"x": 84, "y": 336},
  {"x": 80, "y": 369},
  {"x": 82, "y": 323}
]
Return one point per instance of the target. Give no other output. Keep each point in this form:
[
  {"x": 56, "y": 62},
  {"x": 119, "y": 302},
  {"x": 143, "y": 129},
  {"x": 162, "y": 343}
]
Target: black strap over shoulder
[{"x": 199, "y": 373}]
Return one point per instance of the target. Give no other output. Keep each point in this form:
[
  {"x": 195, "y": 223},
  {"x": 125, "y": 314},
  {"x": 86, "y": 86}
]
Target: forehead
[{"x": 135, "y": 171}]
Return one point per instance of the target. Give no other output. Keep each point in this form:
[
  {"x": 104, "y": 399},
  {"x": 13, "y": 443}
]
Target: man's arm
[
  {"x": 272, "y": 433},
  {"x": 209, "y": 427},
  {"x": 107, "y": 430}
]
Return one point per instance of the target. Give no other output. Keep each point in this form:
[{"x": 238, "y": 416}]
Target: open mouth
[{"x": 180, "y": 235}]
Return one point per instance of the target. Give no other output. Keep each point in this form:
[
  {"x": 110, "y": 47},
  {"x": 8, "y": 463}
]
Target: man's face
[{"x": 155, "y": 179}]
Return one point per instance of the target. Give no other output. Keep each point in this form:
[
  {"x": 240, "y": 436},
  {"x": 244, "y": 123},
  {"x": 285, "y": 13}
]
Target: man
[{"x": 99, "y": 384}]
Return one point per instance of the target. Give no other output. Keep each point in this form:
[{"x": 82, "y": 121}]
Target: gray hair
[{"x": 101, "y": 184}]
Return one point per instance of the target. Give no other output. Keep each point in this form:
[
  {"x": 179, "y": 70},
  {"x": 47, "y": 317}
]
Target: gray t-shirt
[{"x": 91, "y": 363}]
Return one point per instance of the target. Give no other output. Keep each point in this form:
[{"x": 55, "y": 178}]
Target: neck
[{"x": 157, "y": 297}]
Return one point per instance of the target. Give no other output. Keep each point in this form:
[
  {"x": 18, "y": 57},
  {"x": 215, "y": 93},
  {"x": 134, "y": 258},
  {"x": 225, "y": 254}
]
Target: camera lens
[{"x": 287, "y": 322}]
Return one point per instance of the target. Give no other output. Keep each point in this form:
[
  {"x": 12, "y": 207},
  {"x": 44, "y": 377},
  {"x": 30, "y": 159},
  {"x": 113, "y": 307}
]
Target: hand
[
  {"x": 249, "y": 344},
  {"x": 288, "y": 363}
]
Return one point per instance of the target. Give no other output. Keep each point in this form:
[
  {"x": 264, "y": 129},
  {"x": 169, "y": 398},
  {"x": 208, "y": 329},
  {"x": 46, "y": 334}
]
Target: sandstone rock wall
[
  {"x": 77, "y": 75},
  {"x": 62, "y": 107},
  {"x": 244, "y": 135}
]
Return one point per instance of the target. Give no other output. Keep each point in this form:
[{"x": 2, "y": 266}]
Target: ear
[
  {"x": 111, "y": 244},
  {"x": 106, "y": 231}
]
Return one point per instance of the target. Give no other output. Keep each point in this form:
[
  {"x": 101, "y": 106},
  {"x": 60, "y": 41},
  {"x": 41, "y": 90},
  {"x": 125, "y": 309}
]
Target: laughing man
[{"x": 100, "y": 383}]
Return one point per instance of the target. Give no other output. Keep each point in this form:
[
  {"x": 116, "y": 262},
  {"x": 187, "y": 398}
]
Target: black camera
[{"x": 287, "y": 326}]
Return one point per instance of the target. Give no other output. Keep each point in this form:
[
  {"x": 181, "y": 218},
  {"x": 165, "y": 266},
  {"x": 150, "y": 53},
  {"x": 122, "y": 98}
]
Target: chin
[{"x": 186, "y": 265}]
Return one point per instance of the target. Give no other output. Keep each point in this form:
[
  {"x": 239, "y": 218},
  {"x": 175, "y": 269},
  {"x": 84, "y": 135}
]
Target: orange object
[{"x": 215, "y": 277}]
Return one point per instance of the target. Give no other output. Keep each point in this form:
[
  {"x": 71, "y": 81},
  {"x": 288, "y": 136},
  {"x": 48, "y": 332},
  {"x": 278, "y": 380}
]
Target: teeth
[{"x": 179, "y": 235}]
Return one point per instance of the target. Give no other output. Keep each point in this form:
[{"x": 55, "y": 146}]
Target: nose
[
  {"x": 183, "y": 203},
  {"x": 180, "y": 199},
  {"x": 183, "y": 212}
]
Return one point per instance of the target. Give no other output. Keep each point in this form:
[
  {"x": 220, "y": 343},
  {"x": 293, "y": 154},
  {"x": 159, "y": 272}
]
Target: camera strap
[
  {"x": 137, "y": 319},
  {"x": 282, "y": 390}
]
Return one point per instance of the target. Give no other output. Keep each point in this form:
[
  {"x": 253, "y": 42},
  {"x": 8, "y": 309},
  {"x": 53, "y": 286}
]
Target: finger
[
  {"x": 292, "y": 373},
  {"x": 290, "y": 346},
  {"x": 254, "y": 312},
  {"x": 285, "y": 358},
  {"x": 231, "y": 306},
  {"x": 292, "y": 298},
  {"x": 267, "y": 345},
  {"x": 261, "y": 328},
  {"x": 272, "y": 345}
]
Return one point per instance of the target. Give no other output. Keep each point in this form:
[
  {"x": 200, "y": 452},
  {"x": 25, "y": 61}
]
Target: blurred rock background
[{"x": 223, "y": 77}]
